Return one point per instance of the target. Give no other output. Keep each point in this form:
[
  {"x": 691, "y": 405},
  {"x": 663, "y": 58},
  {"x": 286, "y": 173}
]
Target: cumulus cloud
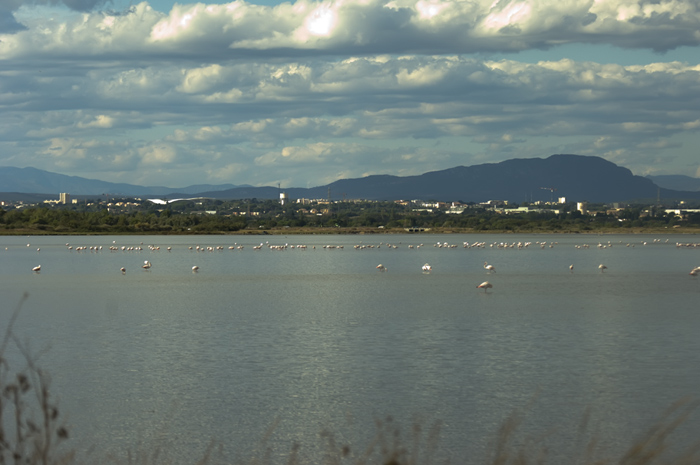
[
  {"x": 359, "y": 27},
  {"x": 77, "y": 5},
  {"x": 158, "y": 154},
  {"x": 310, "y": 114},
  {"x": 310, "y": 89},
  {"x": 312, "y": 153},
  {"x": 9, "y": 24}
]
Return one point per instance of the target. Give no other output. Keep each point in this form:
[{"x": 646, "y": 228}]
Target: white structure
[
  {"x": 283, "y": 198},
  {"x": 64, "y": 198},
  {"x": 562, "y": 199},
  {"x": 582, "y": 207}
]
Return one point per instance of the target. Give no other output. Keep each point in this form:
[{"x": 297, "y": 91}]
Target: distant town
[{"x": 132, "y": 215}]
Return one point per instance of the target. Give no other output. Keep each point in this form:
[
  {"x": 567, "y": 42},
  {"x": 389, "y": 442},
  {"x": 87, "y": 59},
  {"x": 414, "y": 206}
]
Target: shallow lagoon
[{"x": 317, "y": 338}]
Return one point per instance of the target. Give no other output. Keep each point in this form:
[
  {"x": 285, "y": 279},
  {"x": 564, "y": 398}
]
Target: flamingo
[
  {"x": 37, "y": 268},
  {"x": 123, "y": 270},
  {"x": 695, "y": 271},
  {"x": 195, "y": 269},
  {"x": 146, "y": 265},
  {"x": 488, "y": 267},
  {"x": 427, "y": 267},
  {"x": 381, "y": 267},
  {"x": 602, "y": 267},
  {"x": 571, "y": 267},
  {"x": 485, "y": 286}
]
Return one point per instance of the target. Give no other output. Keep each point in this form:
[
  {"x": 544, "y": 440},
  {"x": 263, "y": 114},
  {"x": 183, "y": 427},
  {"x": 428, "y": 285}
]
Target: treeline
[
  {"x": 256, "y": 216},
  {"x": 61, "y": 221}
]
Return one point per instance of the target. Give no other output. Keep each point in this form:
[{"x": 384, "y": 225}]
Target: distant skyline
[{"x": 304, "y": 93}]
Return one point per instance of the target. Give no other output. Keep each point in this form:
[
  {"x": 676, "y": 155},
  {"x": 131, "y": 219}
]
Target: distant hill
[
  {"x": 676, "y": 182},
  {"x": 576, "y": 177},
  {"x": 36, "y": 181}
]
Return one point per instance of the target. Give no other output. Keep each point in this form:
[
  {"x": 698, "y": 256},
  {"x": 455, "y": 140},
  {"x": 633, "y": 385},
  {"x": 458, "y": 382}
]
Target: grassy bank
[{"x": 356, "y": 231}]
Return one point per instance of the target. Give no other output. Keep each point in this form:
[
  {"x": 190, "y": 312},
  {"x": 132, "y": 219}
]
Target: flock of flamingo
[
  {"x": 426, "y": 268},
  {"x": 492, "y": 269}
]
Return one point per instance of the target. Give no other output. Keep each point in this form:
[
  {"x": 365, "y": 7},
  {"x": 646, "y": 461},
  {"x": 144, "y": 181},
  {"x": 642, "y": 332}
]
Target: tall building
[{"x": 64, "y": 198}]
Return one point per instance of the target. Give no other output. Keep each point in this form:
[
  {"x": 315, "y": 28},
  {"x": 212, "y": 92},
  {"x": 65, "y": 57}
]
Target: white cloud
[
  {"x": 282, "y": 111},
  {"x": 354, "y": 86},
  {"x": 201, "y": 79},
  {"x": 100, "y": 121},
  {"x": 159, "y": 154},
  {"x": 318, "y": 152},
  {"x": 197, "y": 31}
]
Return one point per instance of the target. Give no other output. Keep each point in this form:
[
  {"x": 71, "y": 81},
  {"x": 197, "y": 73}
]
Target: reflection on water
[{"x": 317, "y": 338}]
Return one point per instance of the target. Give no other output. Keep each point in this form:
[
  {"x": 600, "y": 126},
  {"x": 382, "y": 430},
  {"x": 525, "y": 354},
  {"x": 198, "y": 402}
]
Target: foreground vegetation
[
  {"x": 32, "y": 433},
  {"x": 267, "y": 216}
]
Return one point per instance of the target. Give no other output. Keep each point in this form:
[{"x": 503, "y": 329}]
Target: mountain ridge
[
  {"x": 31, "y": 180},
  {"x": 576, "y": 177},
  {"x": 676, "y": 181}
]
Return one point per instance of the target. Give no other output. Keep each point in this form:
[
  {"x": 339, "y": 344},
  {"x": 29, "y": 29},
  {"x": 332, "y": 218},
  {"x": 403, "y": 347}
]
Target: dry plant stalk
[{"x": 30, "y": 430}]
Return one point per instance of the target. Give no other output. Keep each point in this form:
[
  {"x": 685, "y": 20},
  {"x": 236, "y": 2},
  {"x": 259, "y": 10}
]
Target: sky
[{"x": 303, "y": 93}]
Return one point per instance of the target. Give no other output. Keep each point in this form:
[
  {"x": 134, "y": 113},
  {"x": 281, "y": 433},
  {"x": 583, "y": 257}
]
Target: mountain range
[
  {"x": 36, "y": 181},
  {"x": 576, "y": 177},
  {"x": 677, "y": 182}
]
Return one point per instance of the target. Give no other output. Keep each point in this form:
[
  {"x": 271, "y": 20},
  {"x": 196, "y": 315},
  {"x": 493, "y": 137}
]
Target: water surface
[{"x": 317, "y": 338}]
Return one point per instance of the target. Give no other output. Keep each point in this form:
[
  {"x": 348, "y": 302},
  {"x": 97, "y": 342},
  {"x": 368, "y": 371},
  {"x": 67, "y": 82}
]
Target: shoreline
[{"x": 356, "y": 231}]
